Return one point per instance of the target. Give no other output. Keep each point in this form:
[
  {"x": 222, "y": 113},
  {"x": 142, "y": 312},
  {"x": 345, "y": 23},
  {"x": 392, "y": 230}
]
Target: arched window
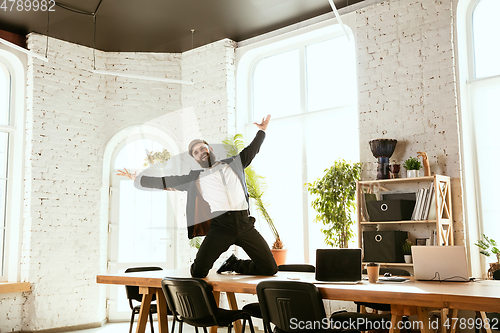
[
  {"x": 11, "y": 169},
  {"x": 308, "y": 84},
  {"x": 142, "y": 224},
  {"x": 479, "y": 51}
]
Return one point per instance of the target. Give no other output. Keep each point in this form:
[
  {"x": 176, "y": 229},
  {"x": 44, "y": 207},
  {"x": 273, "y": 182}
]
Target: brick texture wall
[
  {"x": 407, "y": 87},
  {"x": 71, "y": 115}
]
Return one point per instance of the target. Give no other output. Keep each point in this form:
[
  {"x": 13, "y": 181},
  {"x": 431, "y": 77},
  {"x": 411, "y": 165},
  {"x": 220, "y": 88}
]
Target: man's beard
[{"x": 208, "y": 162}]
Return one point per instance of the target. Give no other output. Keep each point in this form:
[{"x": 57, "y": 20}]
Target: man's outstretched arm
[{"x": 253, "y": 148}]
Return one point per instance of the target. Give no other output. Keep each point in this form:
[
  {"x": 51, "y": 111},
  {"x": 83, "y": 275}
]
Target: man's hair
[{"x": 193, "y": 143}]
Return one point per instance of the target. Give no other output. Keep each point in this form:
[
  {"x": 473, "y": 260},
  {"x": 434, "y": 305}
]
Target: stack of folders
[{"x": 424, "y": 206}]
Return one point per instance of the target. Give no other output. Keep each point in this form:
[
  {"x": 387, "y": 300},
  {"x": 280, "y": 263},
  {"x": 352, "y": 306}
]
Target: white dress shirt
[{"x": 222, "y": 189}]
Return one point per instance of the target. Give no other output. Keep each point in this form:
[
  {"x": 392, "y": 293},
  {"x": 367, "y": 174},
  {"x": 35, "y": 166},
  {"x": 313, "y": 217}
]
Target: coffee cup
[{"x": 373, "y": 271}]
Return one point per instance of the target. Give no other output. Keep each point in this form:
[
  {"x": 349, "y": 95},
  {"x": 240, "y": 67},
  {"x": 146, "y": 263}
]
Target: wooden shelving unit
[{"x": 442, "y": 192}]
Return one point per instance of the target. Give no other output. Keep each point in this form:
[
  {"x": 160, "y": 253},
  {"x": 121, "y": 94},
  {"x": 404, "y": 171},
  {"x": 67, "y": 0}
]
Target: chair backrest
[
  {"x": 288, "y": 303},
  {"x": 296, "y": 268},
  {"x": 392, "y": 271},
  {"x": 133, "y": 291},
  {"x": 191, "y": 298}
]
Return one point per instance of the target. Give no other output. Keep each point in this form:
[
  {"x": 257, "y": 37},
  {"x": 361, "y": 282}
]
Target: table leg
[
  {"x": 147, "y": 295},
  {"x": 234, "y": 306},
  {"x": 451, "y": 320},
  {"x": 395, "y": 320},
  {"x": 445, "y": 314},
  {"x": 423, "y": 317},
  {"x": 161, "y": 306},
  {"x": 213, "y": 329},
  {"x": 484, "y": 328}
]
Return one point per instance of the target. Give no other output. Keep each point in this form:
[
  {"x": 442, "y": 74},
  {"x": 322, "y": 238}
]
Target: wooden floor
[{"x": 124, "y": 327}]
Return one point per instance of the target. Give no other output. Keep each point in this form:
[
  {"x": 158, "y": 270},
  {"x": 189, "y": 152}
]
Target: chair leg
[
  {"x": 173, "y": 324},
  {"x": 180, "y": 327},
  {"x": 229, "y": 328},
  {"x": 244, "y": 324},
  {"x": 196, "y": 329},
  {"x": 131, "y": 322},
  {"x": 151, "y": 321},
  {"x": 250, "y": 323},
  {"x": 205, "y": 330}
]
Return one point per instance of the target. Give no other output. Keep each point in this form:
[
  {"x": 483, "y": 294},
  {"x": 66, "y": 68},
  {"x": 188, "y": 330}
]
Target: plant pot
[
  {"x": 408, "y": 259},
  {"x": 493, "y": 267},
  {"x": 411, "y": 173},
  {"x": 279, "y": 256}
]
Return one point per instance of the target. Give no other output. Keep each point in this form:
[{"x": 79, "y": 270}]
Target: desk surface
[{"x": 477, "y": 296}]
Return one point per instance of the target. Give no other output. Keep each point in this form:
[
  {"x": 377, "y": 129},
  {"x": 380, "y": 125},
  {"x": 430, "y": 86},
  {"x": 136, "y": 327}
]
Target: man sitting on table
[{"x": 218, "y": 207}]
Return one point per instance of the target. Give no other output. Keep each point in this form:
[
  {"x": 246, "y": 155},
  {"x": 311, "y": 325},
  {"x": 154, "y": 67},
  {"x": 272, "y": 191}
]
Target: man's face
[{"x": 203, "y": 154}]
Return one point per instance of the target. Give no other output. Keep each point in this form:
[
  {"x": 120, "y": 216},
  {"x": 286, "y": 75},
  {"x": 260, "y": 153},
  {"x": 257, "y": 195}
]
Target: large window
[
  {"x": 309, "y": 88},
  {"x": 142, "y": 229},
  {"x": 5, "y": 129},
  {"x": 480, "y": 72},
  {"x": 11, "y": 151}
]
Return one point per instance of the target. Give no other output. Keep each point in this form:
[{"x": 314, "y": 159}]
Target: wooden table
[{"x": 410, "y": 298}]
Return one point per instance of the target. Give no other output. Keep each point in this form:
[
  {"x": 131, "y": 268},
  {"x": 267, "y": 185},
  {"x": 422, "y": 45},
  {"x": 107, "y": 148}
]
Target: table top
[{"x": 482, "y": 295}]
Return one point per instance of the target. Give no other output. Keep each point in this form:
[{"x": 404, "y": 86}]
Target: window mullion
[{"x": 303, "y": 108}]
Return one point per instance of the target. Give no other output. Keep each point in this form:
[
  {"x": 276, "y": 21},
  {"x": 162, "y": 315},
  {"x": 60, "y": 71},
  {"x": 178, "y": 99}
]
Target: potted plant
[
  {"x": 256, "y": 187},
  {"x": 488, "y": 247},
  {"x": 412, "y": 165},
  {"x": 335, "y": 202},
  {"x": 407, "y": 251}
]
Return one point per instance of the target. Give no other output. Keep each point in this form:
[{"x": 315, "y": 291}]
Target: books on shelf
[{"x": 423, "y": 203}]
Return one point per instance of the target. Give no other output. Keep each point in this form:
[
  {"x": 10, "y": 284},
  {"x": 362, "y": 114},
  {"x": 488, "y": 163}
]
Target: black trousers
[{"x": 234, "y": 227}]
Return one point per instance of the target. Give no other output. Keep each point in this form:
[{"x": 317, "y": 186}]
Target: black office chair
[
  {"x": 193, "y": 302},
  {"x": 290, "y": 305},
  {"x": 133, "y": 295},
  {"x": 378, "y": 306},
  {"x": 254, "y": 308}
]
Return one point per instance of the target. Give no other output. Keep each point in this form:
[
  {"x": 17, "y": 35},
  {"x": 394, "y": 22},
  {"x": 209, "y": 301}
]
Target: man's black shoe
[{"x": 227, "y": 266}]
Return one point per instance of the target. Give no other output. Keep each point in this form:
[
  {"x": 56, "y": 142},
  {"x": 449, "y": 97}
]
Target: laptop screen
[
  {"x": 338, "y": 265},
  {"x": 440, "y": 263}
]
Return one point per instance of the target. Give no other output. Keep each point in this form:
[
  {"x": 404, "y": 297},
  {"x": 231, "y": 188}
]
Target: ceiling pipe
[
  {"x": 23, "y": 50},
  {"x": 335, "y": 11},
  {"x": 141, "y": 77}
]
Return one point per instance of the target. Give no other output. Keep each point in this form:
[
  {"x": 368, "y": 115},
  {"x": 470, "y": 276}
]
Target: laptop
[
  {"x": 440, "y": 263},
  {"x": 338, "y": 266}
]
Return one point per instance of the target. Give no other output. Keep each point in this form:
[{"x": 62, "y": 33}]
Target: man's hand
[
  {"x": 264, "y": 123},
  {"x": 127, "y": 174}
]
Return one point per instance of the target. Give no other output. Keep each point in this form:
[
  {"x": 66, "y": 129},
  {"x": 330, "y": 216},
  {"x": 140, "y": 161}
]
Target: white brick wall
[
  {"x": 71, "y": 115},
  {"x": 407, "y": 87}
]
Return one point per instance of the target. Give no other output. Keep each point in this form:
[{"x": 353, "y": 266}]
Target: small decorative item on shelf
[
  {"x": 489, "y": 246},
  {"x": 407, "y": 251},
  {"x": 412, "y": 165},
  {"x": 425, "y": 161},
  {"x": 383, "y": 149},
  {"x": 394, "y": 169}
]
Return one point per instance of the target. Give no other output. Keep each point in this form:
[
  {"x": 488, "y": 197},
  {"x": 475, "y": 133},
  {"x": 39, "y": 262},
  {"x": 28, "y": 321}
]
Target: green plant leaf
[{"x": 335, "y": 201}]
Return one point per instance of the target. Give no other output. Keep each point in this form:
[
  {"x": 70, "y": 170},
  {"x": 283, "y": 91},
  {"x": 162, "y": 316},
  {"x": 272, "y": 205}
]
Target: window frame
[
  {"x": 15, "y": 167},
  {"x": 466, "y": 78}
]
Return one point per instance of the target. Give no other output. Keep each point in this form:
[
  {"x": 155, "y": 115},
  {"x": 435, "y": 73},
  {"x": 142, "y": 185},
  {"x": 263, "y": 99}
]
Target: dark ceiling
[{"x": 161, "y": 25}]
